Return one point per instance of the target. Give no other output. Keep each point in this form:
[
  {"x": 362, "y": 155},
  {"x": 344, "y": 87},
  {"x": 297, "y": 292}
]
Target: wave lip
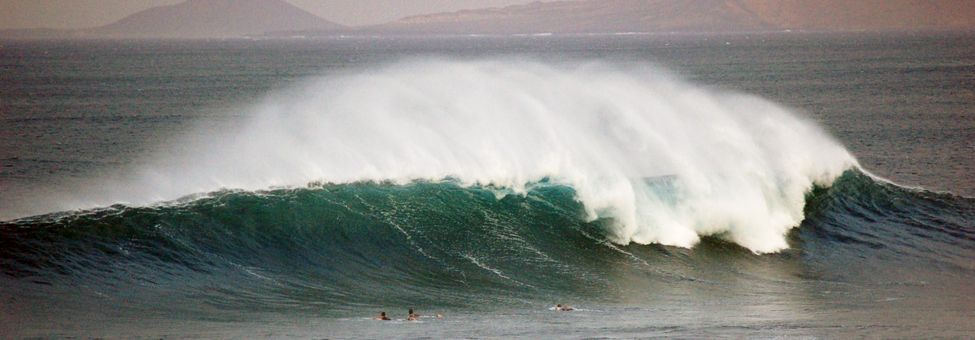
[{"x": 665, "y": 160}]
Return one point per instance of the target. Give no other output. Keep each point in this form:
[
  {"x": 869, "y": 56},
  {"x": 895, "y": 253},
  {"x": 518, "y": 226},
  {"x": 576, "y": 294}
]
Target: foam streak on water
[{"x": 666, "y": 161}]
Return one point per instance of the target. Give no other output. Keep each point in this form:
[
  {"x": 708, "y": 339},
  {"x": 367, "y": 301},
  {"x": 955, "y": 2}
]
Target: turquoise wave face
[
  {"x": 334, "y": 248},
  {"x": 617, "y": 134}
]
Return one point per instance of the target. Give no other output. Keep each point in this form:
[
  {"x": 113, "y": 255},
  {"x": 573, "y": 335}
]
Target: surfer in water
[
  {"x": 563, "y": 308},
  {"x": 413, "y": 316},
  {"x": 382, "y": 316}
]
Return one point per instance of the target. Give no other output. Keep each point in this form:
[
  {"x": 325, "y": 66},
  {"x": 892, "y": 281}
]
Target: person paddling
[
  {"x": 382, "y": 316},
  {"x": 413, "y": 316}
]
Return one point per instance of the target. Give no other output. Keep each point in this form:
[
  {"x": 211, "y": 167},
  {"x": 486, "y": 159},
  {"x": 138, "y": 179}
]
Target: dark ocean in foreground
[{"x": 295, "y": 188}]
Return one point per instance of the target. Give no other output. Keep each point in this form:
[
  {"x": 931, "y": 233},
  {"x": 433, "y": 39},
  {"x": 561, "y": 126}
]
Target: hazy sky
[{"x": 90, "y": 13}]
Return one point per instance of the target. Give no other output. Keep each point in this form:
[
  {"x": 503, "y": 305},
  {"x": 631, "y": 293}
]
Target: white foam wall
[{"x": 741, "y": 164}]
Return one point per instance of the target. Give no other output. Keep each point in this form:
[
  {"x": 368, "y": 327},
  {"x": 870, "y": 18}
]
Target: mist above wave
[{"x": 664, "y": 160}]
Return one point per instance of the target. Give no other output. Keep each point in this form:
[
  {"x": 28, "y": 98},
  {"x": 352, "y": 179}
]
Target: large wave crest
[{"x": 662, "y": 160}]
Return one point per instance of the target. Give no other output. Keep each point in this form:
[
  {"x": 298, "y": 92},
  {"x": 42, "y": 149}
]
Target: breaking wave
[{"x": 660, "y": 160}]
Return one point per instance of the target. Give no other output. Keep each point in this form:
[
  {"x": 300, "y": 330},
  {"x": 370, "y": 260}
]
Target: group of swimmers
[
  {"x": 412, "y": 317},
  {"x": 416, "y": 316}
]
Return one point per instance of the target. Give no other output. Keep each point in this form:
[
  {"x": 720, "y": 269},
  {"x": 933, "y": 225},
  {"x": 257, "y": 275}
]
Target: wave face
[
  {"x": 346, "y": 246},
  {"x": 661, "y": 160},
  {"x": 498, "y": 186}
]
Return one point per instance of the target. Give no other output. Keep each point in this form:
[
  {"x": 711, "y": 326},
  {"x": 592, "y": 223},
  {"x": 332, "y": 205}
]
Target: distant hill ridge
[
  {"x": 238, "y": 18},
  {"x": 600, "y": 16},
  {"x": 215, "y": 19}
]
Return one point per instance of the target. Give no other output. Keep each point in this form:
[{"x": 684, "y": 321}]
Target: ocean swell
[{"x": 662, "y": 160}]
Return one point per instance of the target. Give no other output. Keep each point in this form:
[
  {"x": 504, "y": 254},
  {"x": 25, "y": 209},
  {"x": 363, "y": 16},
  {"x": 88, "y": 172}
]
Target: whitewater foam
[{"x": 736, "y": 165}]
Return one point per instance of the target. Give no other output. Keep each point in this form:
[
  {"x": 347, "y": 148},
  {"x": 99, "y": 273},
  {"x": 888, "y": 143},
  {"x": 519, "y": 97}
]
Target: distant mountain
[
  {"x": 277, "y": 18},
  {"x": 865, "y": 15},
  {"x": 603, "y": 16},
  {"x": 214, "y": 19}
]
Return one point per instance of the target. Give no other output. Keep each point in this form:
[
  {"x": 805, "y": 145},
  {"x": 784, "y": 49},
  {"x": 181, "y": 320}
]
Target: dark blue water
[{"x": 318, "y": 260}]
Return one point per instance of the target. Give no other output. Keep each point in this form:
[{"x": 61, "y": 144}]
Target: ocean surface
[{"x": 797, "y": 185}]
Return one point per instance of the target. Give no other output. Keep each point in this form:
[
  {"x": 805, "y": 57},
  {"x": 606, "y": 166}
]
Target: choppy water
[{"x": 296, "y": 188}]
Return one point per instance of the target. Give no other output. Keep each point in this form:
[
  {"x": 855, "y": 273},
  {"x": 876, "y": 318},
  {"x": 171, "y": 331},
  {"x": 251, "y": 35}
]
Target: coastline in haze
[{"x": 197, "y": 19}]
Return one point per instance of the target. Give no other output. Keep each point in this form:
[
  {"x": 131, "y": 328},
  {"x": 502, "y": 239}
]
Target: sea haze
[{"x": 310, "y": 251}]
